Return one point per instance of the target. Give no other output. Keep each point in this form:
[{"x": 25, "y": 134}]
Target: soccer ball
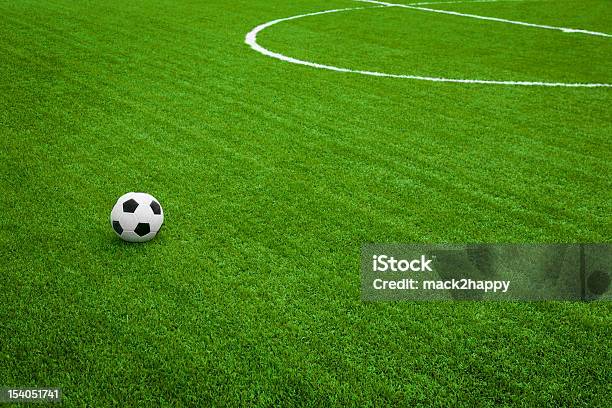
[{"x": 137, "y": 217}]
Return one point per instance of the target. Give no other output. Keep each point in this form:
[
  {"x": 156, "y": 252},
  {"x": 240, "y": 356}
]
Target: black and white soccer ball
[{"x": 137, "y": 217}]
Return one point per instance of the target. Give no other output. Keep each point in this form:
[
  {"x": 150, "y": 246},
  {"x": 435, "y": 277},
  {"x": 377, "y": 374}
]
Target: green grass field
[{"x": 272, "y": 176}]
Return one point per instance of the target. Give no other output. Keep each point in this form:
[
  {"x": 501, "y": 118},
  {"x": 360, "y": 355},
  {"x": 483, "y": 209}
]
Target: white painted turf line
[
  {"x": 251, "y": 40},
  {"x": 432, "y": 3},
  {"x": 501, "y": 20}
]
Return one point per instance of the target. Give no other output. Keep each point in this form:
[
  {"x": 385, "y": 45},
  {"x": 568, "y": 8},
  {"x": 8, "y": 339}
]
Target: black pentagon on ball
[
  {"x": 155, "y": 207},
  {"x": 142, "y": 229},
  {"x": 130, "y": 206},
  {"x": 117, "y": 227}
]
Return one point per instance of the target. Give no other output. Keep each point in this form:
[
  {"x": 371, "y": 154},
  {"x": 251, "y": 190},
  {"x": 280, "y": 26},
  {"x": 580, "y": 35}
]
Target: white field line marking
[
  {"x": 251, "y": 40},
  {"x": 501, "y": 20},
  {"x": 431, "y": 3}
]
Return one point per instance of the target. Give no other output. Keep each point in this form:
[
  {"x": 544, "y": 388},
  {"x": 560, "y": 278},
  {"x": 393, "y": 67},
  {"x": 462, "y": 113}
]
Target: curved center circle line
[{"x": 251, "y": 40}]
